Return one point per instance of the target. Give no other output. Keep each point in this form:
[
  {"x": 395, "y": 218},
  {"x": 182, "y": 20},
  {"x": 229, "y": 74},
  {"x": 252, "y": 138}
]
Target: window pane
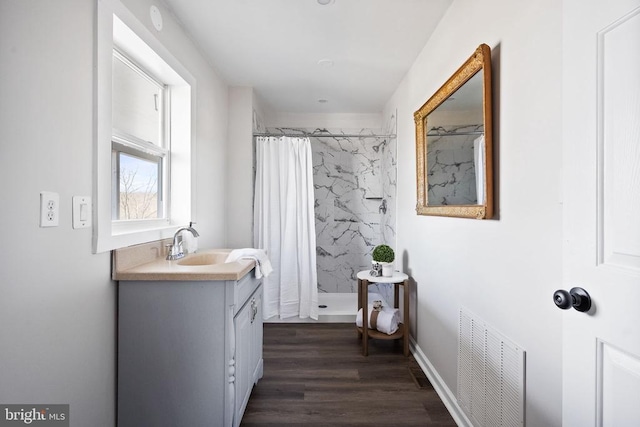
[
  {"x": 138, "y": 187},
  {"x": 137, "y": 104}
]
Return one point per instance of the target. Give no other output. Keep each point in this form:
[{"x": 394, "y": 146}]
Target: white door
[{"x": 601, "y": 161}]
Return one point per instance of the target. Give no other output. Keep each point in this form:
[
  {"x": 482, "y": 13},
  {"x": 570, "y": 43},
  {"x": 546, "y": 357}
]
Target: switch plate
[
  {"x": 81, "y": 212},
  {"x": 49, "y": 209}
]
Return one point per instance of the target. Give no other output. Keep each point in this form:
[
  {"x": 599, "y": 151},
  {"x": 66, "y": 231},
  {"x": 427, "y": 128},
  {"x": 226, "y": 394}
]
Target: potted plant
[{"x": 384, "y": 255}]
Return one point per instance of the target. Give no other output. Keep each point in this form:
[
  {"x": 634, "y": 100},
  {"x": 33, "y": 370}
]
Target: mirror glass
[{"x": 453, "y": 144}]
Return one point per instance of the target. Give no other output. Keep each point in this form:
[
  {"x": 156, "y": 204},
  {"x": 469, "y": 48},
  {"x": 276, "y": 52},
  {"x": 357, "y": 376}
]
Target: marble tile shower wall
[
  {"x": 351, "y": 176},
  {"x": 389, "y": 172},
  {"x": 451, "y": 166}
]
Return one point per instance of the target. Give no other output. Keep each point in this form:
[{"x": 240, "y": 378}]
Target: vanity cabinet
[
  {"x": 248, "y": 361},
  {"x": 189, "y": 352}
]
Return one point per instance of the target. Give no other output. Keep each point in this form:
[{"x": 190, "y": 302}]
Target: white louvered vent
[{"x": 491, "y": 374}]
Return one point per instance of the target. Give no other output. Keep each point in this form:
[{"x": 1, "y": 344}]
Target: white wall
[
  {"x": 504, "y": 270},
  {"x": 240, "y": 168},
  {"x": 57, "y": 301},
  {"x": 329, "y": 121}
]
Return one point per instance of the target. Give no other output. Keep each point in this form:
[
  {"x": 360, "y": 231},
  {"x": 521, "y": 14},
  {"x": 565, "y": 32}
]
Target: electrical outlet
[{"x": 49, "y": 209}]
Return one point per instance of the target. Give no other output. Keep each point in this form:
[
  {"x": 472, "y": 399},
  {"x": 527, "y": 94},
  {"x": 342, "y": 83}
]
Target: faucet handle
[{"x": 175, "y": 251}]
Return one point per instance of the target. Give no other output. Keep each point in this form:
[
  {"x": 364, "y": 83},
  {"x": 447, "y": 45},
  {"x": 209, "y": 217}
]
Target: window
[
  {"x": 137, "y": 185},
  {"x": 140, "y": 146},
  {"x": 144, "y": 121}
]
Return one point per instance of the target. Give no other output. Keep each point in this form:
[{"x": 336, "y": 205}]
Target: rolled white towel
[
  {"x": 387, "y": 322},
  {"x": 263, "y": 264}
]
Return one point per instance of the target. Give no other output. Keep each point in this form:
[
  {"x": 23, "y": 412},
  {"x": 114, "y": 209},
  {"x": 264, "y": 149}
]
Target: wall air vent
[{"x": 491, "y": 375}]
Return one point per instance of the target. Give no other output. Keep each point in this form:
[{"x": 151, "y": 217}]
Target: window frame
[{"x": 117, "y": 27}]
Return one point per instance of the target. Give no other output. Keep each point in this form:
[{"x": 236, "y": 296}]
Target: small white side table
[{"x": 398, "y": 279}]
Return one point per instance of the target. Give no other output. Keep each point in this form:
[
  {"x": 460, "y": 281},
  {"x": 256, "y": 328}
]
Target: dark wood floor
[{"x": 315, "y": 375}]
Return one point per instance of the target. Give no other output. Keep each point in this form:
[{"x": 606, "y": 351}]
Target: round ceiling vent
[{"x": 156, "y": 17}]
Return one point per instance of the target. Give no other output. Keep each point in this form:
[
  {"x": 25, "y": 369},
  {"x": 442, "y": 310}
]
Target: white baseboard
[{"x": 447, "y": 397}]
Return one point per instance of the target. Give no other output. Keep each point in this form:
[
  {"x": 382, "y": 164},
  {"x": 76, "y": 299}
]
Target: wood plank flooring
[{"x": 315, "y": 375}]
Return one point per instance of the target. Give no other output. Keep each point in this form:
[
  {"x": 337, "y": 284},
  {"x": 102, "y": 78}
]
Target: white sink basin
[{"x": 203, "y": 259}]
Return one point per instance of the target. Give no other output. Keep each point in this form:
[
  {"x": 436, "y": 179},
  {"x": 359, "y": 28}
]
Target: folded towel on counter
[
  {"x": 263, "y": 264},
  {"x": 385, "y": 320}
]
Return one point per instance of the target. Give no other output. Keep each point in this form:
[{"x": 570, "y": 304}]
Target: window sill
[{"x": 120, "y": 238}]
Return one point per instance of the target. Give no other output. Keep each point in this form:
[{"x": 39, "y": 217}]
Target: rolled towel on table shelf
[
  {"x": 386, "y": 320},
  {"x": 263, "y": 264}
]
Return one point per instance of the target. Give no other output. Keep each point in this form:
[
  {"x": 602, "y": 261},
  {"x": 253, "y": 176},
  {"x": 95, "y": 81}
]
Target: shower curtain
[
  {"x": 478, "y": 154},
  {"x": 284, "y": 225}
]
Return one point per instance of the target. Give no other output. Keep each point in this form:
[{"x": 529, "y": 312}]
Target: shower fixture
[{"x": 383, "y": 207}]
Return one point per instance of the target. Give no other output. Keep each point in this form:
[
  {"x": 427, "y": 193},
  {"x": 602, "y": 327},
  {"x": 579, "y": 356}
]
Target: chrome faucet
[{"x": 175, "y": 249}]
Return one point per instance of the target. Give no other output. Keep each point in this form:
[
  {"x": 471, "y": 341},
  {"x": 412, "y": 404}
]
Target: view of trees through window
[{"x": 138, "y": 195}]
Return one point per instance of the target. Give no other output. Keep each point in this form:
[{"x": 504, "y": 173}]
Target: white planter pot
[{"x": 387, "y": 269}]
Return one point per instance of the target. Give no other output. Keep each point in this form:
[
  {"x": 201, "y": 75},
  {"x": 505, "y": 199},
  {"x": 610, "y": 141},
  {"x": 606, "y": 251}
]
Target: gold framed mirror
[{"x": 454, "y": 144}]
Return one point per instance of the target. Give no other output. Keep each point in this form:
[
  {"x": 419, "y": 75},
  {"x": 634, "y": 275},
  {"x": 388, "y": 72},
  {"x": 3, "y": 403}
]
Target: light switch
[{"x": 81, "y": 212}]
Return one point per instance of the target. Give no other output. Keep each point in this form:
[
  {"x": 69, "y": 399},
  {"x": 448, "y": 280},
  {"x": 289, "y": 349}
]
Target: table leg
[
  {"x": 407, "y": 319},
  {"x": 396, "y": 295},
  {"x": 365, "y": 317},
  {"x": 359, "y": 303}
]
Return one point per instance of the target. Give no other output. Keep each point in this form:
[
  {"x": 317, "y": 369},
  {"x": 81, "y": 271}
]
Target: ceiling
[{"x": 278, "y": 47}]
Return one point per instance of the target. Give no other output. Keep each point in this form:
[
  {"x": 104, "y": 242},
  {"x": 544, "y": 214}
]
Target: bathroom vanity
[{"x": 189, "y": 341}]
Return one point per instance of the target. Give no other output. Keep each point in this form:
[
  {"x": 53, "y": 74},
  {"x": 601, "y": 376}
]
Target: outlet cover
[{"x": 49, "y": 209}]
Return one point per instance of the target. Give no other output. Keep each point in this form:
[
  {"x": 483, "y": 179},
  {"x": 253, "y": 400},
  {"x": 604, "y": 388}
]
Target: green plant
[{"x": 383, "y": 253}]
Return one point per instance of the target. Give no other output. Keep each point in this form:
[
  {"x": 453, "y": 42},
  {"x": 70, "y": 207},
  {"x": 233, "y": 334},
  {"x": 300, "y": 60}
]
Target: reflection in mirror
[{"x": 453, "y": 144}]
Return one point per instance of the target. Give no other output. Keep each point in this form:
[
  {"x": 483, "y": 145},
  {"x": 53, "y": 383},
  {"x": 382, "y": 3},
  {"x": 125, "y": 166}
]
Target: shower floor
[{"x": 339, "y": 308}]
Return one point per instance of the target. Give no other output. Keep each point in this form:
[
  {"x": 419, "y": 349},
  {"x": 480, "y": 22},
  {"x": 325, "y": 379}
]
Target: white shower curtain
[
  {"x": 478, "y": 154},
  {"x": 284, "y": 225}
]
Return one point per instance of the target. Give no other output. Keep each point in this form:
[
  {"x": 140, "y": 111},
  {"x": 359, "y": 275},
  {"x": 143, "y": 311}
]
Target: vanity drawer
[{"x": 244, "y": 288}]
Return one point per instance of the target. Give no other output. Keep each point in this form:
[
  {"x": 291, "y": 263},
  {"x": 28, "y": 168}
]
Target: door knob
[{"x": 576, "y": 297}]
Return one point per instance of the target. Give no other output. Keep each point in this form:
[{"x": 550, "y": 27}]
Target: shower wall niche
[{"x": 355, "y": 189}]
